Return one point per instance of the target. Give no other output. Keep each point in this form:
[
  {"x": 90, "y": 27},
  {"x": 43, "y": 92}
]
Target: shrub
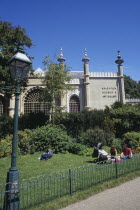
[
  {"x": 92, "y": 137},
  {"x": 126, "y": 119},
  {"x": 76, "y": 123},
  {"x": 109, "y": 136},
  {"x": 25, "y": 144},
  {"x": 6, "y": 126},
  {"x": 32, "y": 120},
  {"x": 76, "y": 148},
  {"x": 117, "y": 143},
  {"x": 135, "y": 151},
  {"x": 132, "y": 139},
  {"x": 109, "y": 130},
  {"x": 116, "y": 105},
  {"x": 133, "y": 144},
  {"x": 6, "y": 146},
  {"x": 107, "y": 149},
  {"x": 86, "y": 152},
  {"x": 50, "y": 136}
]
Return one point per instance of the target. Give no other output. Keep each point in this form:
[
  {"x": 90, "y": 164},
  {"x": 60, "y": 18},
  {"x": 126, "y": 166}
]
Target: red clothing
[{"x": 127, "y": 151}]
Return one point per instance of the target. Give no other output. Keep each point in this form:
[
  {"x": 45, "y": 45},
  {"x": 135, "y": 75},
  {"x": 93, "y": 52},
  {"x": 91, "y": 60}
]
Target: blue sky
[{"x": 101, "y": 26}]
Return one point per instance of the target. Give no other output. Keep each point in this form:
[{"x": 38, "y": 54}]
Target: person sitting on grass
[
  {"x": 113, "y": 155},
  {"x": 126, "y": 152},
  {"x": 47, "y": 156},
  {"x": 113, "y": 152}
]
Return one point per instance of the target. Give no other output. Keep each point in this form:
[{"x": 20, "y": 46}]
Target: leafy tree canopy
[
  {"x": 132, "y": 88},
  {"x": 125, "y": 119},
  {"x": 10, "y": 37},
  {"x": 56, "y": 82}
]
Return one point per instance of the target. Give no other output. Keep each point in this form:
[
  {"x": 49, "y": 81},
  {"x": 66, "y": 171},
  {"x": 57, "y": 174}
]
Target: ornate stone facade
[{"x": 92, "y": 90}]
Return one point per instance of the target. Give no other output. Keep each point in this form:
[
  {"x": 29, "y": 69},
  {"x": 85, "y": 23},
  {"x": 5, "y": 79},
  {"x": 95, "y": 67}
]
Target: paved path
[{"x": 123, "y": 197}]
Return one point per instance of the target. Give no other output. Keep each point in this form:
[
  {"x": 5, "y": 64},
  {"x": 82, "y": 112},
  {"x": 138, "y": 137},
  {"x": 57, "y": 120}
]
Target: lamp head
[{"x": 19, "y": 65}]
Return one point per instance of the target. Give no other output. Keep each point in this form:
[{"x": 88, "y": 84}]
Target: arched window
[
  {"x": 74, "y": 104},
  {"x": 35, "y": 102}
]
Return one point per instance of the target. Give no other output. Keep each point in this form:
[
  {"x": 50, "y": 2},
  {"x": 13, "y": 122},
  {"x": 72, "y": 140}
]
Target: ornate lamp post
[{"x": 19, "y": 66}]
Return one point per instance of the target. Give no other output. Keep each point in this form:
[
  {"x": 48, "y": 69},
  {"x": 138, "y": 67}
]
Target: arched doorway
[{"x": 74, "y": 104}]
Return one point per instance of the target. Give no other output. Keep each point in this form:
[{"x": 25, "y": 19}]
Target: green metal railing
[{"x": 37, "y": 190}]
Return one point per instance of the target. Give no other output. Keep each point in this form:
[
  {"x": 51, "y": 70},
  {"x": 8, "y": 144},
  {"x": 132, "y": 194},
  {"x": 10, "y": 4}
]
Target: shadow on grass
[{"x": 92, "y": 161}]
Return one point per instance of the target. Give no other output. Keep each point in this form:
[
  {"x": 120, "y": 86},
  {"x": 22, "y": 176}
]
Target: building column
[
  {"x": 61, "y": 60},
  {"x": 12, "y": 106},
  {"x": 86, "y": 80},
  {"x": 119, "y": 61}
]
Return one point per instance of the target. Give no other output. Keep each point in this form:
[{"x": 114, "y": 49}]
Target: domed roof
[{"x": 39, "y": 72}]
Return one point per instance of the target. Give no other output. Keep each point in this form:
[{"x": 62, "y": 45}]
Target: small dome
[{"x": 39, "y": 72}]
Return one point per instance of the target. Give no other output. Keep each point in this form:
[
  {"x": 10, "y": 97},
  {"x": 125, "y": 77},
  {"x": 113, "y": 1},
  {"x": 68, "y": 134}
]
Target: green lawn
[
  {"x": 30, "y": 166},
  {"x": 67, "y": 200},
  {"x": 57, "y": 180}
]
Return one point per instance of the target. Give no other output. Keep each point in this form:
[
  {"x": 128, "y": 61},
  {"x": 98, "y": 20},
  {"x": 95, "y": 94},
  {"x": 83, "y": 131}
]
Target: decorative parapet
[
  {"x": 78, "y": 74},
  {"x": 132, "y": 100},
  {"x": 103, "y": 74},
  {"x": 75, "y": 81}
]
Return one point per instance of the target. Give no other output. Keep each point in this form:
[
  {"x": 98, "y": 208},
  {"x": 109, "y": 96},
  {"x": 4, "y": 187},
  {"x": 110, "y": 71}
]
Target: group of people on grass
[
  {"x": 103, "y": 155},
  {"x": 100, "y": 153}
]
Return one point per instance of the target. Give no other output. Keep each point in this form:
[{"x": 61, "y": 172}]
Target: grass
[
  {"x": 60, "y": 183},
  {"x": 67, "y": 200},
  {"x": 29, "y": 165}
]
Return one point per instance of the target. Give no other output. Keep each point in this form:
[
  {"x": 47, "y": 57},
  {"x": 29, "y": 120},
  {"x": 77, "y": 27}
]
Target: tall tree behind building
[{"x": 132, "y": 87}]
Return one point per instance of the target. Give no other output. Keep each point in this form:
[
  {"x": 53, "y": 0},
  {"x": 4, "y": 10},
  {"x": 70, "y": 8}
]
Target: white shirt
[{"x": 101, "y": 151}]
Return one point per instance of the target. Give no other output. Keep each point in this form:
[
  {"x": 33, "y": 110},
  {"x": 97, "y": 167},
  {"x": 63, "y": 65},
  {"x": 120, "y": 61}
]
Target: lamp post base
[{"x": 12, "y": 195}]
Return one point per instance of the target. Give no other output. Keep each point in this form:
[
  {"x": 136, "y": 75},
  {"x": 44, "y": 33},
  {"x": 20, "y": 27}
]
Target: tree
[
  {"x": 125, "y": 119},
  {"x": 91, "y": 137},
  {"x": 131, "y": 87},
  {"x": 132, "y": 139},
  {"x": 10, "y": 38},
  {"x": 56, "y": 82}
]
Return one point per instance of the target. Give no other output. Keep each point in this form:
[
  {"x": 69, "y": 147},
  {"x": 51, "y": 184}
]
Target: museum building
[{"x": 91, "y": 90}]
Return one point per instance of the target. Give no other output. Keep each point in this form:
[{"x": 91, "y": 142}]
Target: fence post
[
  {"x": 116, "y": 168},
  {"x": 70, "y": 181}
]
